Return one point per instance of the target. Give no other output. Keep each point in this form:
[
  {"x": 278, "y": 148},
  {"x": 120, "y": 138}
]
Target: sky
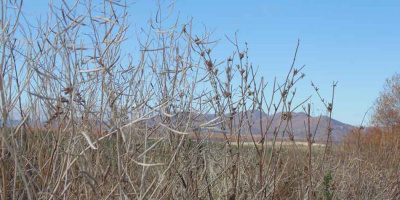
[{"x": 356, "y": 43}]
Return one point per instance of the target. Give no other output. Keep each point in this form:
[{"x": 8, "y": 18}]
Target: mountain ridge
[{"x": 296, "y": 127}]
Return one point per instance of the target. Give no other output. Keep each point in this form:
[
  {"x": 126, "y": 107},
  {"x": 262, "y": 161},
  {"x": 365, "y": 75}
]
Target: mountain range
[{"x": 297, "y": 126}]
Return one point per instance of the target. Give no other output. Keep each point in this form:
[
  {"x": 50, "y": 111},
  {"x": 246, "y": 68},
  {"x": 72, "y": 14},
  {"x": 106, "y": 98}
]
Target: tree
[{"x": 387, "y": 106}]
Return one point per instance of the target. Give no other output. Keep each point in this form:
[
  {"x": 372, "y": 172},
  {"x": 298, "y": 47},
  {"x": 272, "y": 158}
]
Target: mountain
[
  {"x": 296, "y": 127},
  {"x": 10, "y": 122},
  {"x": 318, "y": 125}
]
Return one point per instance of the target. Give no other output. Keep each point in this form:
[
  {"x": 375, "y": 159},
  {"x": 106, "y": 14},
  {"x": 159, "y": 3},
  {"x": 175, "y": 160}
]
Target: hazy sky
[{"x": 356, "y": 43}]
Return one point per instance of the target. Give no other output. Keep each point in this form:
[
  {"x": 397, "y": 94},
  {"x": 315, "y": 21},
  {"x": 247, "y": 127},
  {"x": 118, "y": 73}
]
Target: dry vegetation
[{"x": 117, "y": 124}]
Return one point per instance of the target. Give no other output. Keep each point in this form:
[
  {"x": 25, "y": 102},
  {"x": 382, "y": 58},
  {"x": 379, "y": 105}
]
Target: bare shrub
[{"x": 169, "y": 121}]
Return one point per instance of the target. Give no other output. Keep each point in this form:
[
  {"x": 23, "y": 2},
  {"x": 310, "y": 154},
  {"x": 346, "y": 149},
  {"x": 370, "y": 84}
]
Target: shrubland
[{"x": 83, "y": 118}]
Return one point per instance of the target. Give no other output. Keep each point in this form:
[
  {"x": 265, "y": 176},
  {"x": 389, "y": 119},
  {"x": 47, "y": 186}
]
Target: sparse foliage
[
  {"x": 387, "y": 106},
  {"x": 168, "y": 120}
]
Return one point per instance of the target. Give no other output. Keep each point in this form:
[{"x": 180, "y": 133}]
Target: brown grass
[{"x": 128, "y": 125}]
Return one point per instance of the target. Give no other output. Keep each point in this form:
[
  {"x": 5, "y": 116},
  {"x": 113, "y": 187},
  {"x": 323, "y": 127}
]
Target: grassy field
[
  {"x": 97, "y": 120},
  {"x": 206, "y": 170}
]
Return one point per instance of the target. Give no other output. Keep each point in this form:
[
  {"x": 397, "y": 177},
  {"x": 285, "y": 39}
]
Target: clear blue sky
[{"x": 356, "y": 43}]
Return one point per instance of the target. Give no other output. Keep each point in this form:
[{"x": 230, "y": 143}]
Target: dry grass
[{"x": 118, "y": 125}]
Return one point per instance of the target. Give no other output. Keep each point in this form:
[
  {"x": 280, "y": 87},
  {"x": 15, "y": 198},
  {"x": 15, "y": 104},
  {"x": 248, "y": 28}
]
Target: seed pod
[
  {"x": 209, "y": 64},
  {"x": 284, "y": 93},
  {"x": 330, "y": 107},
  {"x": 241, "y": 55},
  {"x": 197, "y": 41},
  {"x": 67, "y": 90},
  {"x": 64, "y": 100},
  {"x": 227, "y": 94}
]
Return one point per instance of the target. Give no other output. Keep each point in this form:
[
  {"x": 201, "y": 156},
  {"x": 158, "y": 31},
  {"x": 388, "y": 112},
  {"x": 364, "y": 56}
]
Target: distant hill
[
  {"x": 10, "y": 122},
  {"x": 297, "y": 127}
]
